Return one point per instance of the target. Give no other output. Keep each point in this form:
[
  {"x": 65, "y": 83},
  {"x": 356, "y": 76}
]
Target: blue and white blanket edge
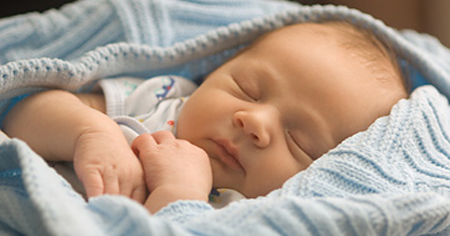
[{"x": 393, "y": 179}]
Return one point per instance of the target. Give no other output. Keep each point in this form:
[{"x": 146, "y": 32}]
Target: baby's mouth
[{"x": 228, "y": 154}]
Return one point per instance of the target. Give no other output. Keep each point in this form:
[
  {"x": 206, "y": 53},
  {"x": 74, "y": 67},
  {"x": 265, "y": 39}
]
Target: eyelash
[
  {"x": 244, "y": 91},
  {"x": 291, "y": 138}
]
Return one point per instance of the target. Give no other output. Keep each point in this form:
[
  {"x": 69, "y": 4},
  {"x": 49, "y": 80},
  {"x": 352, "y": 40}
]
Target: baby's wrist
[
  {"x": 162, "y": 196},
  {"x": 101, "y": 136},
  {"x": 100, "y": 126}
]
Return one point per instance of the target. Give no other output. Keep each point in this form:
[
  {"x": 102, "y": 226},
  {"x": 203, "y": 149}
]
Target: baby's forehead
[
  {"x": 318, "y": 30},
  {"x": 293, "y": 36}
]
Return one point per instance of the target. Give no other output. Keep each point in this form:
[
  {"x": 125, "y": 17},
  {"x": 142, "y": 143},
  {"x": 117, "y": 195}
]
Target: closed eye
[
  {"x": 294, "y": 146},
  {"x": 245, "y": 91},
  {"x": 292, "y": 139}
]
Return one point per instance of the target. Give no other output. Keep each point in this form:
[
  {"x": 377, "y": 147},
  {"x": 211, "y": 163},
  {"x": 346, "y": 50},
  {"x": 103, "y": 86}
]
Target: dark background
[{"x": 14, "y": 7}]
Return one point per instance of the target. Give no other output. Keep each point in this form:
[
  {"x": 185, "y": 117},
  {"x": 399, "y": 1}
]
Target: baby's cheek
[{"x": 274, "y": 176}]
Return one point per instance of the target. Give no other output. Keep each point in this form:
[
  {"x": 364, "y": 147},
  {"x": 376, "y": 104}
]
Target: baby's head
[{"x": 287, "y": 99}]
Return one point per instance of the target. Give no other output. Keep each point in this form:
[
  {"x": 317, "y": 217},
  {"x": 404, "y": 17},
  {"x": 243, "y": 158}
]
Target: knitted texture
[
  {"x": 393, "y": 179},
  {"x": 407, "y": 151}
]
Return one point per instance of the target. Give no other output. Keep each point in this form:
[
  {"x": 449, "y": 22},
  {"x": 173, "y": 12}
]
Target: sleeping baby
[{"x": 257, "y": 120}]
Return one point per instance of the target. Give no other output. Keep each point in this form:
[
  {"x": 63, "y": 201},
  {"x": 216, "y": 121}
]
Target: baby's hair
[{"x": 378, "y": 56}]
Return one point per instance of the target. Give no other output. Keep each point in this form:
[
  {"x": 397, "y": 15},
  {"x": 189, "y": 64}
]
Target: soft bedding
[{"x": 392, "y": 179}]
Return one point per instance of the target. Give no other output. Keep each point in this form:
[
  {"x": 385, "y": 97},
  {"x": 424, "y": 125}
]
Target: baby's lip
[{"x": 228, "y": 153}]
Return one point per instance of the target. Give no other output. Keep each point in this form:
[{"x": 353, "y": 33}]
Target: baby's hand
[
  {"x": 174, "y": 169},
  {"x": 105, "y": 164}
]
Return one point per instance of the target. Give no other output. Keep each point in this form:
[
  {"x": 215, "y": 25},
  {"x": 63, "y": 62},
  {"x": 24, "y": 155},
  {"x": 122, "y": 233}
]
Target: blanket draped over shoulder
[{"x": 392, "y": 179}]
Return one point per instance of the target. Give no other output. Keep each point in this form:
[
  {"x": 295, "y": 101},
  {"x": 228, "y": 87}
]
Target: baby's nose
[{"x": 255, "y": 126}]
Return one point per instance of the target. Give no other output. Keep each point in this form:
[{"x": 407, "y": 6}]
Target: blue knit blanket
[{"x": 393, "y": 179}]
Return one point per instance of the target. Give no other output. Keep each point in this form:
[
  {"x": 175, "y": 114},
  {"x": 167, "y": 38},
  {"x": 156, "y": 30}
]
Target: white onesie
[{"x": 145, "y": 106}]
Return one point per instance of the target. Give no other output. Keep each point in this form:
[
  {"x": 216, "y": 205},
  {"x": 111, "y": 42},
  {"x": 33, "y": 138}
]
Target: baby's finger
[
  {"x": 163, "y": 136},
  {"x": 93, "y": 184},
  {"x": 125, "y": 188},
  {"x": 139, "y": 193},
  {"x": 142, "y": 143},
  {"x": 111, "y": 182}
]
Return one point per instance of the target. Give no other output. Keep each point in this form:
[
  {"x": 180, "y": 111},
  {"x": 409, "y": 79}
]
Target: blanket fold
[{"x": 392, "y": 179}]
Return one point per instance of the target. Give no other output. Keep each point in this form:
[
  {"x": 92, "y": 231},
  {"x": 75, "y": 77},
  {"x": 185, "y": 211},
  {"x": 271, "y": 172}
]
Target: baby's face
[{"x": 271, "y": 111}]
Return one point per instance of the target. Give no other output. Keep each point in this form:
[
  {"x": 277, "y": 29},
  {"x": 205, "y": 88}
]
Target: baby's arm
[
  {"x": 174, "y": 169},
  {"x": 60, "y": 127}
]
